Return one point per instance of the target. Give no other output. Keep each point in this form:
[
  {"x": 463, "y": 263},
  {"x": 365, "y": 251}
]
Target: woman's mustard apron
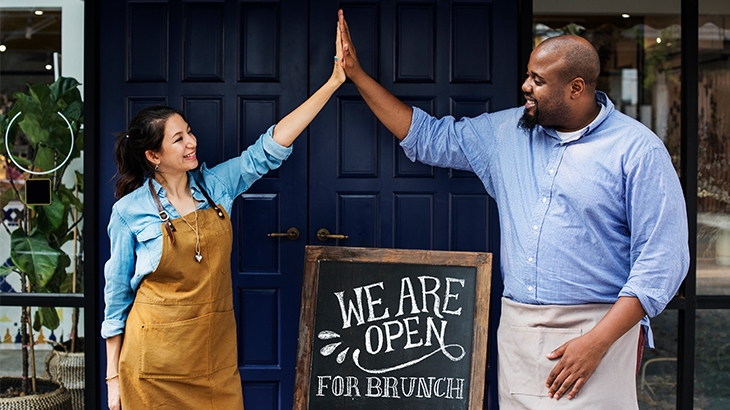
[{"x": 179, "y": 349}]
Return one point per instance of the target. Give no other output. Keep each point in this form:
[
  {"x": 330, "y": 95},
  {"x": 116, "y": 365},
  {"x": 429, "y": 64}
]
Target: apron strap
[
  {"x": 210, "y": 201},
  {"x": 163, "y": 214}
]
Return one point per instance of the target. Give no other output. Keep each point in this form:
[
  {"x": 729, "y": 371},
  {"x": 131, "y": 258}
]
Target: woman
[{"x": 169, "y": 324}]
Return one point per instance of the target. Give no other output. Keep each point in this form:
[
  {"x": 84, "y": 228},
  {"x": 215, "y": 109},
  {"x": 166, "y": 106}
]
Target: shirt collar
[
  {"x": 194, "y": 187},
  {"x": 602, "y": 98}
]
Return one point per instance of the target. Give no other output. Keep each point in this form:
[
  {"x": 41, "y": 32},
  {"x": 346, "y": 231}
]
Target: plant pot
[
  {"x": 51, "y": 396},
  {"x": 68, "y": 369}
]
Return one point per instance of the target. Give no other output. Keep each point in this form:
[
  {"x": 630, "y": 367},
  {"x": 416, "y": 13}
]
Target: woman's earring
[{"x": 157, "y": 167}]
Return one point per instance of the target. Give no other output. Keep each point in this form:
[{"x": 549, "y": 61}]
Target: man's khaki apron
[
  {"x": 179, "y": 349},
  {"x": 527, "y": 333}
]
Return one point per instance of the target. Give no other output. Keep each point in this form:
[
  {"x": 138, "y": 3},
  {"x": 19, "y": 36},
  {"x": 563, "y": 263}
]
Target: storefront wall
[{"x": 665, "y": 63}]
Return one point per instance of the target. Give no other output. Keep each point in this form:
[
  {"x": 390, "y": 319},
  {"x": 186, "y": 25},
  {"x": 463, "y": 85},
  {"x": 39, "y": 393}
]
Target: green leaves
[
  {"x": 62, "y": 86},
  {"x": 33, "y": 255},
  {"x": 39, "y": 123},
  {"x": 46, "y": 316},
  {"x": 52, "y": 217},
  {"x": 6, "y": 270}
]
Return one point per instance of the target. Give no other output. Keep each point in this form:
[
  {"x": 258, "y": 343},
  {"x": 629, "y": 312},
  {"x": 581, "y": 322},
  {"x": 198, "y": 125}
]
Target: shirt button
[
  {"x": 544, "y": 200},
  {"x": 529, "y": 288},
  {"x": 552, "y": 171},
  {"x": 534, "y": 227},
  {"x": 530, "y": 259}
]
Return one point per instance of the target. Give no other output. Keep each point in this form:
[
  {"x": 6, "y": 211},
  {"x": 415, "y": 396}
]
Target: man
[{"x": 592, "y": 217}]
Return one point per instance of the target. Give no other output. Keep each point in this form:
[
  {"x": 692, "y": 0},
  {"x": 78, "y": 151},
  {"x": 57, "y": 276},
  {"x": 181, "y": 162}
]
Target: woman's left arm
[
  {"x": 274, "y": 146},
  {"x": 289, "y": 128}
]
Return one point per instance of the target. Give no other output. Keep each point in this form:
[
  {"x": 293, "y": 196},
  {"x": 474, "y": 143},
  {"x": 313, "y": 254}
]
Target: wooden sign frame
[{"x": 314, "y": 254}]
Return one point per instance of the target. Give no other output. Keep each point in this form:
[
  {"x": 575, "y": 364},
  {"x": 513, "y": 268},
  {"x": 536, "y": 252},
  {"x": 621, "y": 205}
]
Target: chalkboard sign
[{"x": 392, "y": 328}]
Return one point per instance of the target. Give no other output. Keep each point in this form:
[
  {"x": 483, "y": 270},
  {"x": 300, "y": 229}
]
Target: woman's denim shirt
[{"x": 135, "y": 229}]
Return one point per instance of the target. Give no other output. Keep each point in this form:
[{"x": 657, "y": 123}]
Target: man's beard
[{"x": 528, "y": 121}]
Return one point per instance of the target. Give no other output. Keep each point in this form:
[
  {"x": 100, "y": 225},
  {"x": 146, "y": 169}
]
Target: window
[
  {"x": 41, "y": 41},
  {"x": 643, "y": 46}
]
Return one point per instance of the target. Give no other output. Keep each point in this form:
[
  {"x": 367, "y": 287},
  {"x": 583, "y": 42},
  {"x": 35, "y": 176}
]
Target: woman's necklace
[{"x": 198, "y": 256}]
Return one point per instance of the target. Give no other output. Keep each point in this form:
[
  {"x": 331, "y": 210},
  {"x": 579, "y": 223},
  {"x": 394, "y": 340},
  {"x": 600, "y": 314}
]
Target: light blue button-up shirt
[
  {"x": 135, "y": 229},
  {"x": 586, "y": 220}
]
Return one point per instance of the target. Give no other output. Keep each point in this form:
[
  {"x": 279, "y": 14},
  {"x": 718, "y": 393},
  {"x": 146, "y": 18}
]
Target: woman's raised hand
[{"x": 338, "y": 73}]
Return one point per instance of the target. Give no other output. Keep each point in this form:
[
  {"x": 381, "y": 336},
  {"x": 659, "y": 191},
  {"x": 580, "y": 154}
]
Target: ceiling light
[
  {"x": 3, "y": 48},
  {"x": 625, "y": 15},
  {"x": 49, "y": 67},
  {"x": 38, "y": 12},
  {"x": 658, "y": 40}
]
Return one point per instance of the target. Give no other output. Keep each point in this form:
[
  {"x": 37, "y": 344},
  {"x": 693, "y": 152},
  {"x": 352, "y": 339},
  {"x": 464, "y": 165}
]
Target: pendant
[{"x": 198, "y": 257}]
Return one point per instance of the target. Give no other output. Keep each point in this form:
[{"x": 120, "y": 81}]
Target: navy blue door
[
  {"x": 446, "y": 57},
  {"x": 234, "y": 67}
]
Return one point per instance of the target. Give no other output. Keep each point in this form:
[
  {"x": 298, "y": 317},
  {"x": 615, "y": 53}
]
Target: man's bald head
[{"x": 579, "y": 58}]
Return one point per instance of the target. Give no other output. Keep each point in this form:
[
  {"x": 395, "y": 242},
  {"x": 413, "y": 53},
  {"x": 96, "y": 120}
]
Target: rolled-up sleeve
[
  {"x": 118, "y": 272},
  {"x": 437, "y": 141},
  {"x": 659, "y": 234}
]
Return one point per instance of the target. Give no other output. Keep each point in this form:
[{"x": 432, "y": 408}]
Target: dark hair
[{"x": 146, "y": 131}]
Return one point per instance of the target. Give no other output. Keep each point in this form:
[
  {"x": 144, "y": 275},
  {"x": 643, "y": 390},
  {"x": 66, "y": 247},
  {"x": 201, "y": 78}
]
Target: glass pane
[
  {"x": 712, "y": 360},
  {"x": 27, "y": 45},
  {"x": 41, "y": 122},
  {"x": 44, "y": 340},
  {"x": 656, "y": 382},
  {"x": 41, "y": 174},
  {"x": 713, "y": 178}
]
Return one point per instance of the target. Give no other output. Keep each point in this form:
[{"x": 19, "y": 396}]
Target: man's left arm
[{"x": 579, "y": 357}]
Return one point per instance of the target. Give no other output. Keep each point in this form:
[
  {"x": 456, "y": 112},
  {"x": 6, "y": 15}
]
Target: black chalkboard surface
[{"x": 392, "y": 328}]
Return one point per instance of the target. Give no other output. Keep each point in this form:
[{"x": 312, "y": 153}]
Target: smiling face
[
  {"x": 178, "y": 151},
  {"x": 546, "y": 91}
]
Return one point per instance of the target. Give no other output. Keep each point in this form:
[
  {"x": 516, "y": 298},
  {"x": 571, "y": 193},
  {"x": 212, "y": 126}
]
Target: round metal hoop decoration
[{"x": 7, "y": 147}]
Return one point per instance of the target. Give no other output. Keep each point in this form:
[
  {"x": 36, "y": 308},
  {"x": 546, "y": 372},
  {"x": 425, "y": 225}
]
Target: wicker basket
[
  {"x": 68, "y": 369},
  {"x": 56, "y": 397}
]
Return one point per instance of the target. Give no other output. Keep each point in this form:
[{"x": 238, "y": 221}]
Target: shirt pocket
[
  {"x": 150, "y": 250},
  {"x": 526, "y": 358},
  {"x": 150, "y": 233}
]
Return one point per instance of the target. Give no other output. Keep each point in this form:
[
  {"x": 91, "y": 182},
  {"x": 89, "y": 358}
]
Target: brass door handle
[
  {"x": 292, "y": 234},
  {"x": 323, "y": 234}
]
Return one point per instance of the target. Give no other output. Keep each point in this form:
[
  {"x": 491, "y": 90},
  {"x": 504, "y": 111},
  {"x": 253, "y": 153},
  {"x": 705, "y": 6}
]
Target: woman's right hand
[
  {"x": 113, "y": 399},
  {"x": 113, "y": 349},
  {"x": 338, "y": 73}
]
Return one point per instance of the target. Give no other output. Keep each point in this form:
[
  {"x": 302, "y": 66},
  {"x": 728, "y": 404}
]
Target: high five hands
[
  {"x": 392, "y": 112},
  {"x": 349, "y": 61}
]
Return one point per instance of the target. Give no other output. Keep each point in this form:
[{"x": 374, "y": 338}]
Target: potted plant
[{"x": 47, "y": 124}]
